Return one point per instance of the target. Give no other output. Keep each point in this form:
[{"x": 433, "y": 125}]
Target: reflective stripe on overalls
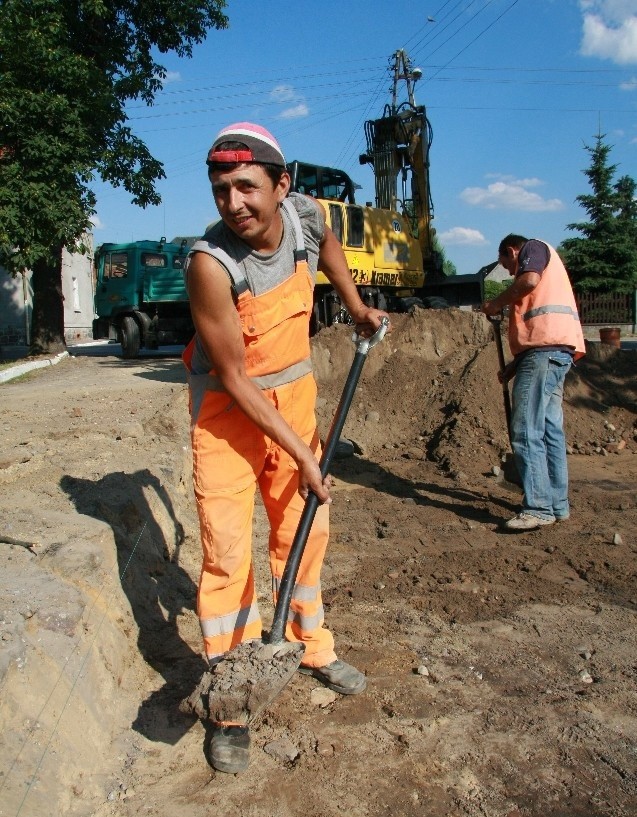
[{"x": 231, "y": 455}]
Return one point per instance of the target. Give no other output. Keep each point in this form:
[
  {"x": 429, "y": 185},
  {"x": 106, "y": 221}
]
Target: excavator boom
[{"x": 398, "y": 148}]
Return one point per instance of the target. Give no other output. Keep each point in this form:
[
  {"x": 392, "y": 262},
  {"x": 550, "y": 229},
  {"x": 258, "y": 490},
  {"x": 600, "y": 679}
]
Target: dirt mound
[{"x": 430, "y": 390}]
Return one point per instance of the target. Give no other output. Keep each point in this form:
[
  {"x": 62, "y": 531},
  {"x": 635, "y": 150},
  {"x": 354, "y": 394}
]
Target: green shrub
[{"x": 493, "y": 288}]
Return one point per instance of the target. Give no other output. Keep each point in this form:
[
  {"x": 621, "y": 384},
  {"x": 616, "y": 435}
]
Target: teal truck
[{"x": 140, "y": 296}]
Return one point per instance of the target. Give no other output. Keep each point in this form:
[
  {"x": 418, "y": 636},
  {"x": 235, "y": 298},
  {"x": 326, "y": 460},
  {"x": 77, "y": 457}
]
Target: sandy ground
[{"x": 501, "y": 668}]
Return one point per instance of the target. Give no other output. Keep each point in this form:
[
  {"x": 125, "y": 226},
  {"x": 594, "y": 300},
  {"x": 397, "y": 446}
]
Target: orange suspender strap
[{"x": 238, "y": 281}]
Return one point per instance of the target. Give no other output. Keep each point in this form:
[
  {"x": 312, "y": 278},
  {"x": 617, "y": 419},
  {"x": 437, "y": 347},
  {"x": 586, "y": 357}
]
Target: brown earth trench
[{"x": 501, "y": 667}]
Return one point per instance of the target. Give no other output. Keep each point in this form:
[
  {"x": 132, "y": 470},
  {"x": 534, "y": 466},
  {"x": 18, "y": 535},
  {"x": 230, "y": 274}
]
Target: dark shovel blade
[
  {"x": 244, "y": 682},
  {"x": 510, "y": 471}
]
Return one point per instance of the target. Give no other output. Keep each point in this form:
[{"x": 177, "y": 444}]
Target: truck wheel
[
  {"x": 409, "y": 304},
  {"x": 130, "y": 338},
  {"x": 435, "y": 302}
]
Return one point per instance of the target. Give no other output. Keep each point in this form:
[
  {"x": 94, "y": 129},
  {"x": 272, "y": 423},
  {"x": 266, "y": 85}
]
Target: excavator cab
[{"x": 321, "y": 182}]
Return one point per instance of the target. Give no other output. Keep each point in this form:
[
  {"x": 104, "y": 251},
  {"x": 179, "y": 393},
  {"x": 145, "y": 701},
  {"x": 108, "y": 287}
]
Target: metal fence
[{"x": 606, "y": 308}]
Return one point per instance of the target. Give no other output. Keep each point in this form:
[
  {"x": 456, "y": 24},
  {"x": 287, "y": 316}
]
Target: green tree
[
  {"x": 448, "y": 267},
  {"x": 626, "y": 189},
  {"x": 67, "y": 69},
  {"x": 604, "y": 258},
  {"x": 493, "y": 288}
]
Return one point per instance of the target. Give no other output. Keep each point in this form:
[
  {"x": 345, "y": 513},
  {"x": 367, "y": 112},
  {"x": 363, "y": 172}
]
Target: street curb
[{"x": 23, "y": 368}]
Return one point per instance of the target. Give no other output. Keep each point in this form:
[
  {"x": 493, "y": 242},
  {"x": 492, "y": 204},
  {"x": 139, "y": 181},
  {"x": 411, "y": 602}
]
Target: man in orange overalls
[{"x": 250, "y": 282}]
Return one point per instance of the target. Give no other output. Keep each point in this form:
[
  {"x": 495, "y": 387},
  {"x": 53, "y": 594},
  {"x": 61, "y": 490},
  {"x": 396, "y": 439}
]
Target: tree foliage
[
  {"x": 604, "y": 258},
  {"x": 67, "y": 70},
  {"x": 448, "y": 267},
  {"x": 494, "y": 288}
]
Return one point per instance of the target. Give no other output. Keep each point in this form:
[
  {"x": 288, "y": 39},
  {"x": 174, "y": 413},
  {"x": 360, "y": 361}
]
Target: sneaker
[
  {"x": 339, "y": 676},
  {"x": 230, "y": 748},
  {"x": 526, "y": 521}
]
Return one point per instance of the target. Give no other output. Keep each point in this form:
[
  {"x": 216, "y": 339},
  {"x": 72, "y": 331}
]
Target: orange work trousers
[{"x": 231, "y": 456}]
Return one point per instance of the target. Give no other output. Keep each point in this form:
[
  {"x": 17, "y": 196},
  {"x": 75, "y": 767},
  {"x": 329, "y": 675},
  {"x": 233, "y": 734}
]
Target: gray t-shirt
[{"x": 265, "y": 271}]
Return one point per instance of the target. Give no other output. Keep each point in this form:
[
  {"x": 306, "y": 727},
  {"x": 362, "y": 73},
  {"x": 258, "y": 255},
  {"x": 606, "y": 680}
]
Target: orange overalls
[{"x": 231, "y": 456}]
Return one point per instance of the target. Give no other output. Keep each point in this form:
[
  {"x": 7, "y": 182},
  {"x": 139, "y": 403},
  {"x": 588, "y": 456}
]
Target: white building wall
[
  {"x": 78, "y": 291},
  {"x": 16, "y": 300}
]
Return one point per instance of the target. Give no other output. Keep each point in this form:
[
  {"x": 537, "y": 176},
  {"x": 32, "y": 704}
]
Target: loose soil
[{"x": 501, "y": 667}]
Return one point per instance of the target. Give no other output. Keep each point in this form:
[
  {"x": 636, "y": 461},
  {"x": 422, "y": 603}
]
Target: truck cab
[{"x": 140, "y": 295}]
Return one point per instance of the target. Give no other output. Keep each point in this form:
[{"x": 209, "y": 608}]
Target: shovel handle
[
  {"x": 363, "y": 345},
  {"x": 497, "y": 321}
]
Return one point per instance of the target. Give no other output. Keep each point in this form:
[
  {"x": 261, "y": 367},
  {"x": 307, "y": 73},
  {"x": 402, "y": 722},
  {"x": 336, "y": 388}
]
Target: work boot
[
  {"x": 526, "y": 521},
  {"x": 339, "y": 676},
  {"x": 230, "y": 748}
]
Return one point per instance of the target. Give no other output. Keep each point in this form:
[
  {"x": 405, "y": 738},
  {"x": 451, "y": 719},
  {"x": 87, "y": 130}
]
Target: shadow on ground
[{"x": 157, "y": 587}]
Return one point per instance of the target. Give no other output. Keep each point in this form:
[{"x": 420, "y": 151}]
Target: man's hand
[
  {"x": 491, "y": 308},
  {"x": 368, "y": 321},
  {"x": 508, "y": 372},
  {"x": 310, "y": 479}
]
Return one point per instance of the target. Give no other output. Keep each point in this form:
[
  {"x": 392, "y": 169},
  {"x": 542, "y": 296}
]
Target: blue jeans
[{"x": 537, "y": 432}]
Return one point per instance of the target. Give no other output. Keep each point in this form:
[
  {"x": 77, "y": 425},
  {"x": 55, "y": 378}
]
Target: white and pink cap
[{"x": 260, "y": 146}]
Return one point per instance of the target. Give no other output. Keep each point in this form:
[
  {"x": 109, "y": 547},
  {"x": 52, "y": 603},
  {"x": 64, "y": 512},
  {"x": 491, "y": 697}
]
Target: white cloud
[
  {"x": 532, "y": 182},
  {"x": 609, "y": 30},
  {"x": 171, "y": 76},
  {"x": 510, "y": 194},
  {"x": 96, "y": 222},
  {"x": 462, "y": 235},
  {"x": 283, "y": 93},
  {"x": 613, "y": 10},
  {"x": 294, "y": 113}
]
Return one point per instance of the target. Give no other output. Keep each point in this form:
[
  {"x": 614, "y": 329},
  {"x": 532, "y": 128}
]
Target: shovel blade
[
  {"x": 244, "y": 682},
  {"x": 510, "y": 471}
]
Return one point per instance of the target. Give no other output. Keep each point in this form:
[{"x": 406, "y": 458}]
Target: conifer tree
[{"x": 604, "y": 258}]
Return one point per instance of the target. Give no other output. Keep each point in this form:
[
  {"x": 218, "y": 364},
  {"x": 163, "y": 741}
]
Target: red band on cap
[{"x": 230, "y": 156}]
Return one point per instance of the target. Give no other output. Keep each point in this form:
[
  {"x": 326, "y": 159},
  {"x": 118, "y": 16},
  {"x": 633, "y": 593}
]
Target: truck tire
[
  {"x": 409, "y": 304},
  {"x": 130, "y": 338},
  {"x": 435, "y": 302}
]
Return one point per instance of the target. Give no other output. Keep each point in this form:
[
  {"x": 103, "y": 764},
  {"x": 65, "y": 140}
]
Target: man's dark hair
[
  {"x": 274, "y": 171},
  {"x": 511, "y": 240}
]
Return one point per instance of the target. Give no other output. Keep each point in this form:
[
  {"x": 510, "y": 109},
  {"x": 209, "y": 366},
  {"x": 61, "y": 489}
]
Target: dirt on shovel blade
[{"x": 245, "y": 682}]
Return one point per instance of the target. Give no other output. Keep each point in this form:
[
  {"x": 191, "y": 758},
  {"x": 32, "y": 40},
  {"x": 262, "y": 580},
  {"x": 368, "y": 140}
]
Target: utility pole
[{"x": 403, "y": 70}]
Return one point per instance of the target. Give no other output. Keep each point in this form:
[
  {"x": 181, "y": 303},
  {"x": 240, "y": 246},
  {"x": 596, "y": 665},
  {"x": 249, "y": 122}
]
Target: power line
[
  {"x": 484, "y": 30},
  {"x": 438, "y": 29},
  {"x": 435, "y": 18},
  {"x": 234, "y": 89}
]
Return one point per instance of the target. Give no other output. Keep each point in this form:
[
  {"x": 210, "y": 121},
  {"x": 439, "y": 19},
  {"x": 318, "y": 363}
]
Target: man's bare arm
[
  {"x": 333, "y": 264},
  {"x": 522, "y": 285}
]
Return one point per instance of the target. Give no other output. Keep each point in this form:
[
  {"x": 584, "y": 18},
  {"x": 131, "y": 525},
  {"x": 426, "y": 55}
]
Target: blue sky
[{"x": 514, "y": 90}]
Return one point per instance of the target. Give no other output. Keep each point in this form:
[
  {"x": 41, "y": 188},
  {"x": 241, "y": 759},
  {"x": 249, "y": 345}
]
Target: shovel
[
  {"x": 252, "y": 674},
  {"x": 510, "y": 469}
]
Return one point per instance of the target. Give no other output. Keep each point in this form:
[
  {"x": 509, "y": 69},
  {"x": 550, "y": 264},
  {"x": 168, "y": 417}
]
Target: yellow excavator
[{"x": 389, "y": 245}]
